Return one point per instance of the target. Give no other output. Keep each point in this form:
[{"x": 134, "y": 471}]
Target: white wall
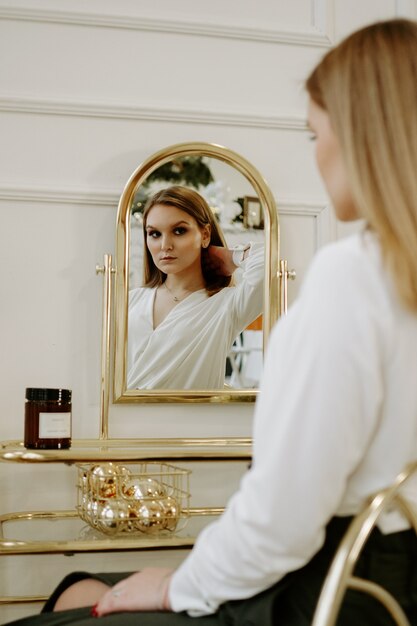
[{"x": 88, "y": 89}]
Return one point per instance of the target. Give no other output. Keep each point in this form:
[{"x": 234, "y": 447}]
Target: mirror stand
[
  {"x": 214, "y": 448},
  {"x": 107, "y": 270}
]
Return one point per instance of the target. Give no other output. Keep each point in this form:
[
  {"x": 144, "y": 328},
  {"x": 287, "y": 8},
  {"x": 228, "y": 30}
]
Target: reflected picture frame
[{"x": 252, "y": 213}]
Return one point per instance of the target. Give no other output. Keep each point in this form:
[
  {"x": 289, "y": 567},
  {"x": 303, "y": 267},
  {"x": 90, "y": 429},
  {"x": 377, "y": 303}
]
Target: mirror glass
[{"x": 209, "y": 345}]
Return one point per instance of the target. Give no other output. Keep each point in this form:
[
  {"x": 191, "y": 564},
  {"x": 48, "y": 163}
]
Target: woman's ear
[{"x": 206, "y": 235}]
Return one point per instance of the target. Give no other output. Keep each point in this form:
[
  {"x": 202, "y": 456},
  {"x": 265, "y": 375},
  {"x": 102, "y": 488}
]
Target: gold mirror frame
[{"x": 271, "y": 288}]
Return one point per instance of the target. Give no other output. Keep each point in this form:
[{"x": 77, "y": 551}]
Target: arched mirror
[{"x": 196, "y": 354}]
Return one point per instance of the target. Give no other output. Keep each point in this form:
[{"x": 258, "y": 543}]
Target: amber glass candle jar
[{"x": 47, "y": 418}]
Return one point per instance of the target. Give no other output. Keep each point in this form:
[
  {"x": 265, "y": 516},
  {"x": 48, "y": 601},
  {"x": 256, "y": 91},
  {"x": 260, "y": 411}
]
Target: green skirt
[{"x": 389, "y": 560}]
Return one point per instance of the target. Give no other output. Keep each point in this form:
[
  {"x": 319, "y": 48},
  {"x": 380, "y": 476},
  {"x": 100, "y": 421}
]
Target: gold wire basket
[{"x": 144, "y": 498}]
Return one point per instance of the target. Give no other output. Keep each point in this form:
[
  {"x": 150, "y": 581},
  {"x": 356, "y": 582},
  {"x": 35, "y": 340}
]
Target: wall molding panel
[
  {"x": 316, "y": 35},
  {"x": 293, "y": 207},
  {"x": 322, "y": 12},
  {"x": 63, "y": 195},
  {"x": 58, "y": 195},
  {"x": 319, "y": 211},
  {"x": 297, "y": 206},
  {"x": 78, "y": 108}
]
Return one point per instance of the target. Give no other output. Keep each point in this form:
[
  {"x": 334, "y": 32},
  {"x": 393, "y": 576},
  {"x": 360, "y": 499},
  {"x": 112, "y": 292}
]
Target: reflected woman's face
[{"x": 175, "y": 239}]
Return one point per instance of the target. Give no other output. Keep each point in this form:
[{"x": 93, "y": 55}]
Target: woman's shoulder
[
  {"x": 348, "y": 275},
  {"x": 139, "y": 294},
  {"x": 357, "y": 254},
  {"x": 345, "y": 285},
  {"x": 360, "y": 243}
]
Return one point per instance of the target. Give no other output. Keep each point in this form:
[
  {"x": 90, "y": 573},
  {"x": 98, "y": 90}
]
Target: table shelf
[
  {"x": 96, "y": 450},
  {"x": 82, "y": 538}
]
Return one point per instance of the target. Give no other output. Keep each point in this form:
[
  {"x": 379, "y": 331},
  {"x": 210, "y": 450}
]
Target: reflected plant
[{"x": 189, "y": 171}]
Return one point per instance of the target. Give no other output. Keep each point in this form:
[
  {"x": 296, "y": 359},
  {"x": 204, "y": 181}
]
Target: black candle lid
[{"x": 46, "y": 395}]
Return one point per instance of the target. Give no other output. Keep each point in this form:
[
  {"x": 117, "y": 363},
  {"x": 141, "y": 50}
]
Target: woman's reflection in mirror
[{"x": 184, "y": 319}]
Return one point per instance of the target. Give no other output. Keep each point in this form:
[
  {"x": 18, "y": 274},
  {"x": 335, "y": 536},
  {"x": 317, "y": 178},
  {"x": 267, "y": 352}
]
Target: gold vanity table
[{"x": 96, "y": 451}]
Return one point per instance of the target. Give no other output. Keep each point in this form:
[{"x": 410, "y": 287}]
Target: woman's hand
[
  {"x": 220, "y": 260},
  {"x": 143, "y": 591}
]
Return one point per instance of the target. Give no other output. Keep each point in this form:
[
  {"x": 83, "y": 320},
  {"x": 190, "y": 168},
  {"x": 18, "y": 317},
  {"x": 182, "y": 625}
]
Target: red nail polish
[{"x": 93, "y": 611}]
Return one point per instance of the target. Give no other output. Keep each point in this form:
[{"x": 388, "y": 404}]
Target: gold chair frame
[{"x": 340, "y": 577}]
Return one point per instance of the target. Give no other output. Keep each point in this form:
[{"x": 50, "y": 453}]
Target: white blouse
[
  {"x": 336, "y": 420},
  {"x": 188, "y": 350}
]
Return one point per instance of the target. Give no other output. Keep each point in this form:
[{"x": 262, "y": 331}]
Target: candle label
[{"x": 54, "y": 425}]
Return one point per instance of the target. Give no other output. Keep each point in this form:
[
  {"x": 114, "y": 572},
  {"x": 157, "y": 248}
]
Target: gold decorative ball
[
  {"x": 172, "y": 512},
  {"x": 123, "y": 473},
  {"x": 90, "y": 510},
  {"x": 104, "y": 470},
  {"x": 111, "y": 516},
  {"x": 138, "y": 488},
  {"x": 147, "y": 516},
  {"x": 103, "y": 480}
]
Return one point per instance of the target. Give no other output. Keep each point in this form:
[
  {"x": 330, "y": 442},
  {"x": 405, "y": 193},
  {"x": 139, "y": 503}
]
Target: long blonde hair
[{"x": 368, "y": 86}]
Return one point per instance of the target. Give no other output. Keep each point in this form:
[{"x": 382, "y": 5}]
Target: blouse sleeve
[
  {"x": 317, "y": 411},
  {"x": 248, "y": 295}
]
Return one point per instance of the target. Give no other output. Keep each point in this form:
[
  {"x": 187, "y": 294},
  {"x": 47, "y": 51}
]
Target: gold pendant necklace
[{"x": 174, "y": 297}]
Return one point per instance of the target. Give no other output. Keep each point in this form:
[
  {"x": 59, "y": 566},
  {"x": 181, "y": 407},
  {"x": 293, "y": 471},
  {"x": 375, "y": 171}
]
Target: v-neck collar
[{"x": 174, "y": 309}]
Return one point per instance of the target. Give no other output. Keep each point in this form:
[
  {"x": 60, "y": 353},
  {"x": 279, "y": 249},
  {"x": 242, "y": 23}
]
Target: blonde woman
[{"x": 337, "y": 416}]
